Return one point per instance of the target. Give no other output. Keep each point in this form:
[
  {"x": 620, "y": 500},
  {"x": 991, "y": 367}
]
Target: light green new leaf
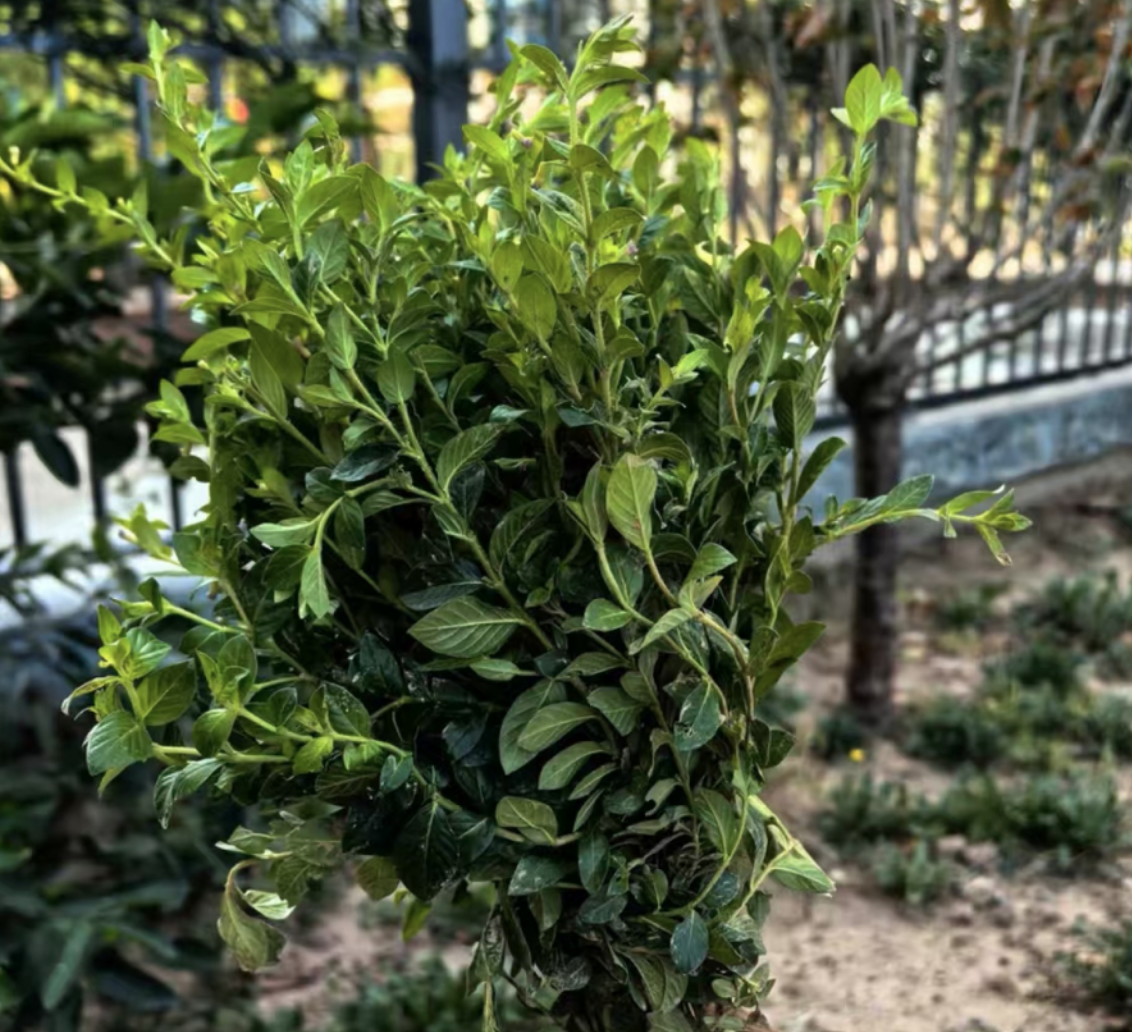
[
  {"x": 340, "y": 345},
  {"x": 534, "y": 820},
  {"x": 799, "y": 872},
  {"x": 816, "y": 464},
  {"x": 863, "y": 98},
  {"x": 794, "y": 413},
  {"x": 314, "y": 598},
  {"x": 253, "y": 942},
  {"x": 377, "y": 876},
  {"x": 489, "y": 142},
  {"x": 116, "y": 741},
  {"x": 166, "y": 693},
  {"x": 710, "y": 560},
  {"x": 629, "y": 500},
  {"x": 537, "y": 309},
  {"x": 213, "y": 341}
]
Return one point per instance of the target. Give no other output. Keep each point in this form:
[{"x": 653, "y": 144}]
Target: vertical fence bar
[
  {"x": 56, "y": 74},
  {"x": 1090, "y": 311},
  {"x": 17, "y": 504},
  {"x": 651, "y": 50},
  {"x": 554, "y": 28},
  {"x": 499, "y": 34},
  {"x": 215, "y": 63},
  {"x": 354, "y": 71},
  {"x": 697, "y": 93},
  {"x": 438, "y": 45},
  {"x": 960, "y": 348},
  {"x": 1110, "y": 311}
]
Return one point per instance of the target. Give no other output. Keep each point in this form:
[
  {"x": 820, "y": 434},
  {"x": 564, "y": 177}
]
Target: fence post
[{"x": 438, "y": 66}]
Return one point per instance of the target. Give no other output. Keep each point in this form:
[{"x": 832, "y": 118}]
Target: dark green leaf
[
  {"x": 465, "y": 628},
  {"x": 689, "y": 945}
]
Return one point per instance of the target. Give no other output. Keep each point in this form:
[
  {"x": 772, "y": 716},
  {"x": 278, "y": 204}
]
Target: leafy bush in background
[
  {"x": 1086, "y": 612},
  {"x": 1072, "y": 820},
  {"x": 507, "y": 491},
  {"x": 1100, "y": 971},
  {"x": 952, "y": 731},
  {"x": 970, "y": 609},
  {"x": 912, "y": 873},
  {"x": 87, "y": 889}
]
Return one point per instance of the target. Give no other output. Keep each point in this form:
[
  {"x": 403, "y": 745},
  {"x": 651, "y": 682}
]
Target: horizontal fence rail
[{"x": 447, "y": 51}]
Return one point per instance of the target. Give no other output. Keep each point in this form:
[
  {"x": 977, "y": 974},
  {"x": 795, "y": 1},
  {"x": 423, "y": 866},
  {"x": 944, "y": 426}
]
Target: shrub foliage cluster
[{"x": 507, "y": 498}]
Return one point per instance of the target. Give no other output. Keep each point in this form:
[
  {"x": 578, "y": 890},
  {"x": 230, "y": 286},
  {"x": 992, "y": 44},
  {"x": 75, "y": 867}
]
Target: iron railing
[{"x": 448, "y": 49}]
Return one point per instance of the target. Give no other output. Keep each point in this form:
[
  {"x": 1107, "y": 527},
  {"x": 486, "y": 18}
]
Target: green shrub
[
  {"x": 1106, "y": 728},
  {"x": 1086, "y": 612},
  {"x": 1072, "y": 820},
  {"x": 506, "y": 502},
  {"x": 838, "y": 734},
  {"x": 1041, "y": 664},
  {"x": 955, "y": 732},
  {"x": 96, "y": 905},
  {"x": 968, "y": 610},
  {"x": 1100, "y": 972},
  {"x": 1090, "y": 611},
  {"x": 861, "y": 813},
  {"x": 427, "y": 999},
  {"x": 912, "y": 874}
]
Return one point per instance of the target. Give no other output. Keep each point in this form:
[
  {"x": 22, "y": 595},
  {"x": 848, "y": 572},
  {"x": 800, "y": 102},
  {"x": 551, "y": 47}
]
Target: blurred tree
[{"x": 1026, "y": 114}]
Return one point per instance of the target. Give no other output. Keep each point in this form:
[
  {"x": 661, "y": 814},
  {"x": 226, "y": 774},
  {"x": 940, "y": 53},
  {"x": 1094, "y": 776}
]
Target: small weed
[
  {"x": 1106, "y": 729},
  {"x": 428, "y": 999},
  {"x": 968, "y": 610},
  {"x": 1040, "y": 664},
  {"x": 862, "y": 812},
  {"x": 913, "y": 875},
  {"x": 953, "y": 732},
  {"x": 1088, "y": 612},
  {"x": 1101, "y": 973},
  {"x": 1072, "y": 819},
  {"x": 837, "y": 735}
]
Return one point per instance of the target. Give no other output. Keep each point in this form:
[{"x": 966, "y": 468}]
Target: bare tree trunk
[{"x": 876, "y": 412}]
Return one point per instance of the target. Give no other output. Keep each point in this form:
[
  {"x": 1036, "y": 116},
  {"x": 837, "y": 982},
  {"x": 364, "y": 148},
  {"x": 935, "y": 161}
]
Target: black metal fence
[{"x": 447, "y": 51}]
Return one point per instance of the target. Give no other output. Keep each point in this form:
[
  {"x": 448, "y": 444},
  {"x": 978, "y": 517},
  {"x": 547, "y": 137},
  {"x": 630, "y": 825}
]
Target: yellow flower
[{"x": 857, "y": 755}]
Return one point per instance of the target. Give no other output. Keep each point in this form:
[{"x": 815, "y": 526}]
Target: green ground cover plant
[
  {"x": 1099, "y": 972},
  {"x": 508, "y": 494},
  {"x": 1070, "y": 822}
]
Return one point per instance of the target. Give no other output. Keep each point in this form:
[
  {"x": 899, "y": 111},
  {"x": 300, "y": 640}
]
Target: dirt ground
[{"x": 982, "y": 960}]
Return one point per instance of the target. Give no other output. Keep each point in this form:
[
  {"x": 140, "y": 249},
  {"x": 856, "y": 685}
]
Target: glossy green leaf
[
  {"x": 689, "y": 946},
  {"x": 629, "y": 500},
  {"x": 553, "y": 722},
  {"x": 534, "y": 820},
  {"x": 465, "y": 628}
]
